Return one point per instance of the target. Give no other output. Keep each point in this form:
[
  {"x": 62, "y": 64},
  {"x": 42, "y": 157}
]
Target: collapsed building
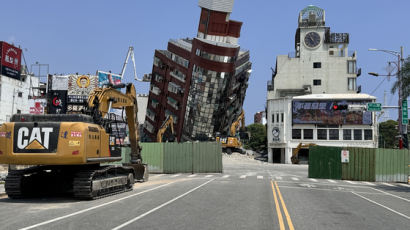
[{"x": 201, "y": 82}]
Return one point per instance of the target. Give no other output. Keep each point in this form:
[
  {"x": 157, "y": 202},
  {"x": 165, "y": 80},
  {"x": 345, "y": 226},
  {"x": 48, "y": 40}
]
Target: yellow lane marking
[
  {"x": 280, "y": 218},
  {"x": 285, "y": 210}
]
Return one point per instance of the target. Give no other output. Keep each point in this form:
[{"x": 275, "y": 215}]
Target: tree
[
  {"x": 387, "y": 134},
  {"x": 257, "y": 140},
  {"x": 405, "y": 77}
]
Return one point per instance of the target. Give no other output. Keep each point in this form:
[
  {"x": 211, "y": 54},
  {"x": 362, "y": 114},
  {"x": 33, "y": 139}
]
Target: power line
[{"x": 378, "y": 86}]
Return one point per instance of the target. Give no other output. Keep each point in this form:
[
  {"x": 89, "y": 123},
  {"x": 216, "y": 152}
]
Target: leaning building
[
  {"x": 201, "y": 82},
  {"x": 311, "y": 92}
]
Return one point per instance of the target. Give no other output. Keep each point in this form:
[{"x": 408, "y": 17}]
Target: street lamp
[{"x": 399, "y": 55}]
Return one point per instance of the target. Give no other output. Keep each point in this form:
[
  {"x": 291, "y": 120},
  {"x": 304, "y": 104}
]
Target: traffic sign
[
  {"x": 374, "y": 106},
  {"x": 404, "y": 112}
]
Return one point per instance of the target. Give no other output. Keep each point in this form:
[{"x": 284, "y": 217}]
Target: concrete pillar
[
  {"x": 270, "y": 155},
  {"x": 288, "y": 155}
]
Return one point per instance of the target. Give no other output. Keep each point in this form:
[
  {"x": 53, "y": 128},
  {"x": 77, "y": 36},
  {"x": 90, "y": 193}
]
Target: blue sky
[{"x": 85, "y": 36}]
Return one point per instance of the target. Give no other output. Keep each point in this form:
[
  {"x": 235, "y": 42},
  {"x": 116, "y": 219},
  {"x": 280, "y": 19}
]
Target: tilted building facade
[{"x": 201, "y": 82}]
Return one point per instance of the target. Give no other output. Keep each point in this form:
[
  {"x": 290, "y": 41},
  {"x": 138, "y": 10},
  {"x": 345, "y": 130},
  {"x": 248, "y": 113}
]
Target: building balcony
[
  {"x": 173, "y": 103},
  {"x": 177, "y": 77},
  {"x": 155, "y": 90}
]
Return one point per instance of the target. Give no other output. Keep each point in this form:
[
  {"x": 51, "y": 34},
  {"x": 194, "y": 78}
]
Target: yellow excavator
[
  {"x": 295, "y": 154},
  {"x": 232, "y": 142},
  {"x": 169, "y": 122},
  {"x": 72, "y": 152}
]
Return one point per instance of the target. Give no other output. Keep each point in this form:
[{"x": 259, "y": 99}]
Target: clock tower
[{"x": 311, "y": 31}]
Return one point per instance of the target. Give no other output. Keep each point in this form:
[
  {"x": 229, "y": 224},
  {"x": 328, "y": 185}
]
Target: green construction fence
[
  {"x": 187, "y": 157},
  {"x": 365, "y": 164}
]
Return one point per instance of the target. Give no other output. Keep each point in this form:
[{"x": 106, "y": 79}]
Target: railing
[
  {"x": 308, "y": 24},
  {"x": 336, "y": 38},
  {"x": 155, "y": 90},
  {"x": 182, "y": 44}
]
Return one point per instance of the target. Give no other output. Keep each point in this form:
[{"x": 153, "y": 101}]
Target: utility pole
[{"x": 401, "y": 106}]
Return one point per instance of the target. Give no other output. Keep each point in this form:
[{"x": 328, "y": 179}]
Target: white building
[
  {"x": 305, "y": 86},
  {"x": 15, "y": 95}
]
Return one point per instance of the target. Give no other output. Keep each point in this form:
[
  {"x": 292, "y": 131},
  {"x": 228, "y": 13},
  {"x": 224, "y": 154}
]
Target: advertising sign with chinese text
[
  {"x": 345, "y": 156},
  {"x": 37, "y": 106},
  {"x": 10, "y": 60},
  {"x": 324, "y": 112}
]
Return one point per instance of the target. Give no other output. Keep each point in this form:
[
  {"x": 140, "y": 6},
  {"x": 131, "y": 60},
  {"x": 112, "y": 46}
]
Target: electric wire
[{"x": 378, "y": 86}]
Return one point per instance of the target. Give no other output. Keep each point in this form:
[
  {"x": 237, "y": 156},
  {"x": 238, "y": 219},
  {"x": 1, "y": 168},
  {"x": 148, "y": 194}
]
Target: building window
[
  {"x": 322, "y": 134},
  {"x": 20, "y": 94},
  {"x": 18, "y": 111},
  {"x": 174, "y": 88},
  {"x": 368, "y": 134},
  {"x": 317, "y": 82},
  {"x": 277, "y": 117},
  {"x": 178, "y": 75},
  {"x": 308, "y": 134},
  {"x": 351, "y": 67},
  {"x": 347, "y": 134},
  {"x": 351, "y": 83},
  {"x": 331, "y": 52},
  {"x": 317, "y": 65},
  {"x": 282, "y": 117},
  {"x": 158, "y": 77},
  {"x": 214, "y": 57},
  {"x": 333, "y": 134},
  {"x": 296, "y": 134},
  {"x": 157, "y": 62},
  {"x": 273, "y": 118},
  {"x": 357, "y": 134}
]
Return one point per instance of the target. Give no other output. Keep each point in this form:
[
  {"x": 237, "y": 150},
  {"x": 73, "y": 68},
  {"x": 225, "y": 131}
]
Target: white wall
[
  {"x": 9, "y": 89},
  {"x": 294, "y": 73}
]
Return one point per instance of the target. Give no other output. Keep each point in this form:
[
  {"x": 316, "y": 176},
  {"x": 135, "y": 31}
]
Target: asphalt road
[{"x": 248, "y": 195}]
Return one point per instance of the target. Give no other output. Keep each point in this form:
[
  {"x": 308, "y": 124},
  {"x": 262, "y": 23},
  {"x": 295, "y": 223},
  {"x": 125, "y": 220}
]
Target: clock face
[
  {"x": 312, "y": 39},
  {"x": 275, "y": 132}
]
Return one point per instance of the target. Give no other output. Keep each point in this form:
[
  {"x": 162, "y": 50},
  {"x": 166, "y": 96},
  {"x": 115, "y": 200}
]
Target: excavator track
[
  {"x": 107, "y": 181},
  {"x": 83, "y": 182},
  {"x": 13, "y": 184}
]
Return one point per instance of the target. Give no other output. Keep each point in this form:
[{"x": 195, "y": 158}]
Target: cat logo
[{"x": 40, "y": 139}]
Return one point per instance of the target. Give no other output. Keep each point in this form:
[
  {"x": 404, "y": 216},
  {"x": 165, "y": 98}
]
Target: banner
[
  {"x": 10, "y": 60},
  {"x": 321, "y": 112},
  {"x": 57, "y": 102},
  {"x": 106, "y": 78},
  {"x": 81, "y": 85},
  {"x": 37, "y": 106}
]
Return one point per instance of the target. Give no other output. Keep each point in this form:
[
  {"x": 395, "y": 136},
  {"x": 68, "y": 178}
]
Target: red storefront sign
[{"x": 10, "y": 60}]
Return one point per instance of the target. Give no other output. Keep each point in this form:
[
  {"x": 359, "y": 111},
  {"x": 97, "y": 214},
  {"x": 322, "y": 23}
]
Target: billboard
[
  {"x": 59, "y": 82},
  {"x": 57, "y": 102},
  {"x": 81, "y": 85},
  {"x": 106, "y": 78},
  {"x": 10, "y": 60},
  {"x": 322, "y": 113},
  {"x": 37, "y": 106}
]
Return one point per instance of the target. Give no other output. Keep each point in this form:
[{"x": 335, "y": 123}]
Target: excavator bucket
[{"x": 141, "y": 171}]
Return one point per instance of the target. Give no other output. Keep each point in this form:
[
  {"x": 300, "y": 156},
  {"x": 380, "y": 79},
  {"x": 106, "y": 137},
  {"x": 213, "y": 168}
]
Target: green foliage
[
  {"x": 405, "y": 76},
  {"x": 257, "y": 140},
  {"x": 387, "y": 134}
]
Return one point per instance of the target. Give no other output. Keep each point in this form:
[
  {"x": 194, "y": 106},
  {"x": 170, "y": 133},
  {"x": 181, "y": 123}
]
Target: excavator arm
[
  {"x": 102, "y": 100},
  {"x": 239, "y": 121},
  {"x": 168, "y": 122}
]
